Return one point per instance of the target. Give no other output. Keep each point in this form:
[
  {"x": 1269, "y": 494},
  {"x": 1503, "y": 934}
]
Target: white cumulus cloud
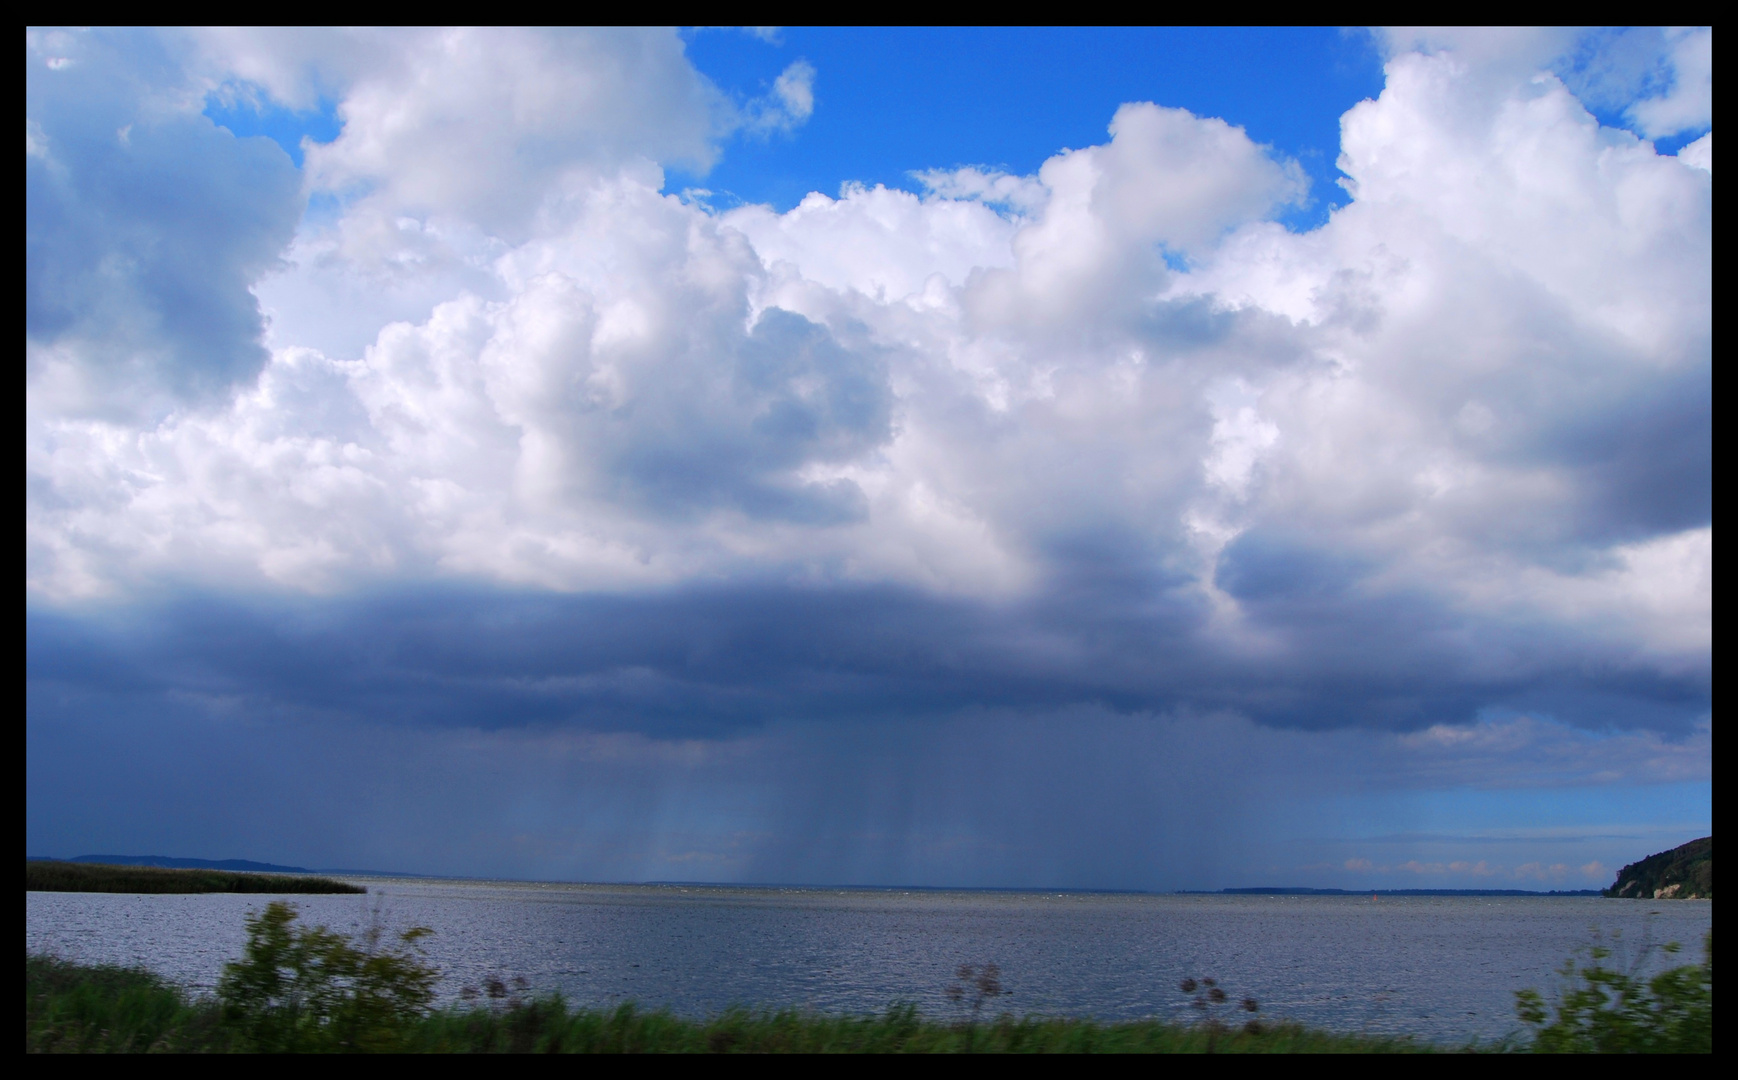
[{"x": 1481, "y": 387}]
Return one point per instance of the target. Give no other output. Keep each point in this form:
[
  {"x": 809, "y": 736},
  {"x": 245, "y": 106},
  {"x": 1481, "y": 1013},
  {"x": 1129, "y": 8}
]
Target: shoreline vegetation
[
  {"x": 1685, "y": 872},
  {"x": 72, "y": 1008},
  {"x": 45, "y": 876},
  {"x": 300, "y": 989}
]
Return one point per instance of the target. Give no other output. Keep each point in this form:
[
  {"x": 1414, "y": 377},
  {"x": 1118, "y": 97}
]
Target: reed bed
[{"x": 46, "y": 876}]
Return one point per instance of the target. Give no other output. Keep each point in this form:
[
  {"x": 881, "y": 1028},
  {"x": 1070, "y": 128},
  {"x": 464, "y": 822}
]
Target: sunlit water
[{"x": 1441, "y": 968}]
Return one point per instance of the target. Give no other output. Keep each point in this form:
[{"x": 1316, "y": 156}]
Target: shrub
[
  {"x": 310, "y": 989},
  {"x": 1601, "y": 1010}
]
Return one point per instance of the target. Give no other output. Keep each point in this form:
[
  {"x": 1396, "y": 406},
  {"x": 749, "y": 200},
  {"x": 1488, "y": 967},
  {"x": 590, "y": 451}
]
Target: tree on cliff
[{"x": 1683, "y": 873}]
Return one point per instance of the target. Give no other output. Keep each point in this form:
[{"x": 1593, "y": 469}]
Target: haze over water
[{"x": 1440, "y": 968}]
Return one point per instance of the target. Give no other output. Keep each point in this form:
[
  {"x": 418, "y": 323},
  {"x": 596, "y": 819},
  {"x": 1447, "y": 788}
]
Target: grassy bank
[
  {"x": 307, "y": 989},
  {"x": 75, "y": 1009},
  {"x": 98, "y": 877}
]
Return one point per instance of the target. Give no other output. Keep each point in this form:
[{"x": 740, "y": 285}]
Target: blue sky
[
  {"x": 900, "y": 100},
  {"x": 894, "y": 101},
  {"x": 1139, "y": 459}
]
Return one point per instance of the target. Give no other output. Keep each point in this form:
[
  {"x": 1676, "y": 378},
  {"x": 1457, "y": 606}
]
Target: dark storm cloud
[
  {"x": 1036, "y": 797},
  {"x": 723, "y": 660}
]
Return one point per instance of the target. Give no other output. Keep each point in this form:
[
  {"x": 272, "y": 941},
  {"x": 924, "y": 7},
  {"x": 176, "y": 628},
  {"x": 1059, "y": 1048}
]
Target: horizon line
[{"x": 1245, "y": 890}]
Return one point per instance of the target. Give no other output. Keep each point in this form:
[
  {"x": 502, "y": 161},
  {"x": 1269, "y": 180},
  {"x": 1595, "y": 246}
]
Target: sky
[{"x": 1078, "y": 459}]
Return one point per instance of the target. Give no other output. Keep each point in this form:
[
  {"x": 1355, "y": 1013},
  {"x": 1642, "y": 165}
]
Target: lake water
[{"x": 1441, "y": 968}]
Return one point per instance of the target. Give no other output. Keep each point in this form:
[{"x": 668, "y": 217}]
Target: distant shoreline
[
  {"x": 42, "y": 875},
  {"x": 248, "y": 866}
]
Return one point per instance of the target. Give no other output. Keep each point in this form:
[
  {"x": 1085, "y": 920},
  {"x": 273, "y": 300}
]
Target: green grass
[
  {"x": 547, "y": 1026},
  {"x": 71, "y": 1008},
  {"x": 74, "y": 1009},
  {"x": 44, "y": 876}
]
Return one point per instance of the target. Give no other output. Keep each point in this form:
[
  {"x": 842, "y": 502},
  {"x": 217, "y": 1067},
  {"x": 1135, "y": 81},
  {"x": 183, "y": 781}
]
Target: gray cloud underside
[
  {"x": 711, "y": 662},
  {"x": 1078, "y": 796}
]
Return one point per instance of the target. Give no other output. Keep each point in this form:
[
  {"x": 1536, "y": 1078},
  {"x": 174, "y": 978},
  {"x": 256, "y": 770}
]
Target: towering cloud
[
  {"x": 145, "y": 225},
  {"x": 1106, "y": 438}
]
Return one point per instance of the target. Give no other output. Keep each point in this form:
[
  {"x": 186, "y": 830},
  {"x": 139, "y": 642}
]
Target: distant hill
[
  {"x": 1683, "y": 873},
  {"x": 190, "y": 864}
]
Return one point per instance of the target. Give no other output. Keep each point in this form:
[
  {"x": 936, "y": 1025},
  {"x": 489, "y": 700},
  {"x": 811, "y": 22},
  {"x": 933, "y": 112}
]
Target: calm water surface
[{"x": 1442, "y": 968}]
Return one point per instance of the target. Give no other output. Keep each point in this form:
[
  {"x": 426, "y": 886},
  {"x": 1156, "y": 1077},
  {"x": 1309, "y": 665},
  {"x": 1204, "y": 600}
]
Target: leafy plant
[
  {"x": 496, "y": 989},
  {"x": 1601, "y": 1010},
  {"x": 299, "y": 988},
  {"x": 977, "y": 984},
  {"x": 1210, "y": 999}
]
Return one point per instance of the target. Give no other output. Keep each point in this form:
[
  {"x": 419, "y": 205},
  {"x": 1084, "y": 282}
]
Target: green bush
[
  {"x": 1601, "y": 1010},
  {"x": 309, "y": 989}
]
